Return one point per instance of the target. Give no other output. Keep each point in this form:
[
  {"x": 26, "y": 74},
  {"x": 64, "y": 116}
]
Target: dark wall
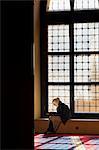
[{"x": 17, "y": 74}]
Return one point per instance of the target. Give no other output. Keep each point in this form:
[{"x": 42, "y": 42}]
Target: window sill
[{"x": 83, "y": 120}]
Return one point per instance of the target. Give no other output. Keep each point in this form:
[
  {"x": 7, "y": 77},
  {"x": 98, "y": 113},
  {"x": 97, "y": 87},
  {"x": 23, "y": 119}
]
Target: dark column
[{"x": 17, "y": 74}]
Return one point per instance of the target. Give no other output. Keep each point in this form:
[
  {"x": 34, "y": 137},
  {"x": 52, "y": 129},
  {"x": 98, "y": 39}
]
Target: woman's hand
[{"x": 50, "y": 116}]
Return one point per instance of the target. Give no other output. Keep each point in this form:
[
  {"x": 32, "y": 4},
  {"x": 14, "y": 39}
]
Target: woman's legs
[
  {"x": 50, "y": 128},
  {"x": 54, "y": 122}
]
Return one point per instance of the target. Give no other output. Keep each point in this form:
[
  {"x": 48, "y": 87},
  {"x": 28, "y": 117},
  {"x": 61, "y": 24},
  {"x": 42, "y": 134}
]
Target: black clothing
[
  {"x": 50, "y": 128},
  {"x": 63, "y": 111}
]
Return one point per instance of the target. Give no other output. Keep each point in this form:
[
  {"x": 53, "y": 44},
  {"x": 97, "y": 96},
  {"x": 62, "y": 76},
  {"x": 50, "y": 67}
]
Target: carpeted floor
[{"x": 67, "y": 142}]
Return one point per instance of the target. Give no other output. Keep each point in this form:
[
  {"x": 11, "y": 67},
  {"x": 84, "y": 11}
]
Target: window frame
[{"x": 58, "y": 18}]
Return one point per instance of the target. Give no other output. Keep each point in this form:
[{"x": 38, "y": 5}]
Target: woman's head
[{"x": 56, "y": 102}]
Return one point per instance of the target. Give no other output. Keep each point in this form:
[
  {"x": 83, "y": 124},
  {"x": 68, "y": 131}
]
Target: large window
[
  {"x": 58, "y": 65},
  {"x": 71, "y": 56},
  {"x": 86, "y": 67},
  {"x": 60, "y": 5}
]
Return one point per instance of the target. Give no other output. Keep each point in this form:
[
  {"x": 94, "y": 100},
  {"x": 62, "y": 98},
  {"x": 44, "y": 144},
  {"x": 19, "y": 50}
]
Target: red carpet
[{"x": 67, "y": 142}]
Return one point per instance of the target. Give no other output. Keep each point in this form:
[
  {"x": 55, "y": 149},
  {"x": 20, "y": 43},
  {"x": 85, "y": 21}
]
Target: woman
[{"x": 62, "y": 115}]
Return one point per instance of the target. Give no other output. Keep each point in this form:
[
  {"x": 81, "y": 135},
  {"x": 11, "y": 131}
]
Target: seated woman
[{"x": 62, "y": 115}]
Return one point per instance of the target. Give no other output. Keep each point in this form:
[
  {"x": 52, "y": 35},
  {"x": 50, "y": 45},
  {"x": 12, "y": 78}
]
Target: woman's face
[{"x": 55, "y": 103}]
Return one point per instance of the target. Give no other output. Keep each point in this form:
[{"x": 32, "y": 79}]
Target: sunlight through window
[
  {"x": 86, "y": 4},
  {"x": 59, "y": 5}
]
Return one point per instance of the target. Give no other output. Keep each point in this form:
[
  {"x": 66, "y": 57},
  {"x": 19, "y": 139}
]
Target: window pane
[
  {"x": 58, "y": 68},
  {"x": 58, "y": 91},
  {"x": 86, "y": 99},
  {"x": 86, "y": 68},
  {"x": 86, "y": 4},
  {"x": 59, "y": 5},
  {"x": 86, "y": 37},
  {"x": 58, "y": 38}
]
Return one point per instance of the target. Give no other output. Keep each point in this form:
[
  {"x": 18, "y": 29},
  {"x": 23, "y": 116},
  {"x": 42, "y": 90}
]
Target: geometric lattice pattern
[
  {"x": 86, "y": 98},
  {"x": 58, "y": 38},
  {"x": 86, "y": 37},
  {"x": 86, "y": 68},
  {"x": 66, "y": 142},
  {"x": 58, "y": 65},
  {"x": 59, "y": 5},
  {"x": 63, "y": 92},
  {"x": 58, "y": 68},
  {"x": 86, "y": 4}
]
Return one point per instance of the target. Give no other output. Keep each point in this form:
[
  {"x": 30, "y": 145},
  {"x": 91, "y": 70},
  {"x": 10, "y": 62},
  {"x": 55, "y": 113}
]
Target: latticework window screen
[
  {"x": 58, "y": 38},
  {"x": 59, "y": 5},
  {"x": 85, "y": 64},
  {"x": 58, "y": 68},
  {"x": 58, "y": 65},
  {"x": 86, "y": 37},
  {"x": 86, "y": 4},
  {"x": 63, "y": 92},
  {"x": 86, "y": 67},
  {"x": 86, "y": 98}
]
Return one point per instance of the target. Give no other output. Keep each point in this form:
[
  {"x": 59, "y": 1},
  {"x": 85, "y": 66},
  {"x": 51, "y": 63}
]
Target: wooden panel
[{"x": 75, "y": 126}]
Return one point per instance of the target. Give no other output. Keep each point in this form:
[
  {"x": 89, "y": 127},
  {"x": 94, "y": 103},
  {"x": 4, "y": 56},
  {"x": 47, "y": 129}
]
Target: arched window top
[
  {"x": 59, "y": 5},
  {"x": 62, "y": 5},
  {"x": 86, "y": 4}
]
